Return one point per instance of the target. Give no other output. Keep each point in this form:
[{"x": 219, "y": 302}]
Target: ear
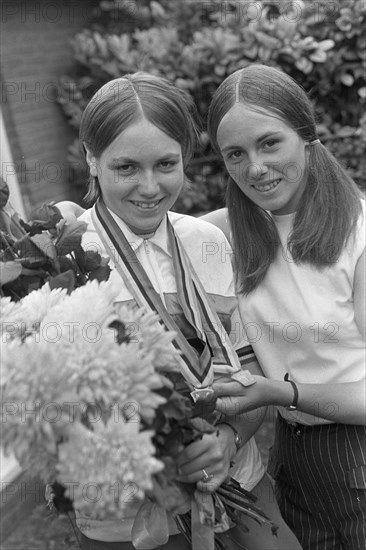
[
  {"x": 91, "y": 160},
  {"x": 88, "y": 154}
]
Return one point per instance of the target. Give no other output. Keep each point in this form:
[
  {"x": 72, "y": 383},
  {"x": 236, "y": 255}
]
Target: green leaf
[
  {"x": 34, "y": 273},
  {"x": 93, "y": 260},
  {"x": 266, "y": 40},
  {"x": 80, "y": 258},
  {"x": 46, "y": 216},
  {"x": 304, "y": 65},
  {"x": 15, "y": 226},
  {"x": 63, "y": 280},
  {"x": 9, "y": 271},
  {"x": 33, "y": 262},
  {"x": 42, "y": 219},
  {"x": 326, "y": 45},
  {"x": 319, "y": 56},
  {"x": 4, "y": 192},
  {"x": 100, "y": 274},
  {"x": 26, "y": 248},
  {"x": 45, "y": 245},
  {"x": 347, "y": 79},
  {"x": 65, "y": 264},
  {"x": 5, "y": 222},
  {"x": 70, "y": 237}
]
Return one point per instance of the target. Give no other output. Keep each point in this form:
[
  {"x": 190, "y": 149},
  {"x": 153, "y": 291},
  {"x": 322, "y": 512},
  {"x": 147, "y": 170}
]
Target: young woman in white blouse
[{"x": 296, "y": 222}]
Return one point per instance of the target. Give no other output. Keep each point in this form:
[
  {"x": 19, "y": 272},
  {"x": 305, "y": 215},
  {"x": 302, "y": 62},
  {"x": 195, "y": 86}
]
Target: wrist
[
  {"x": 293, "y": 405},
  {"x": 282, "y": 393},
  {"x": 234, "y": 439}
]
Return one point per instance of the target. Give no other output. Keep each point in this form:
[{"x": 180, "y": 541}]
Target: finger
[
  {"x": 222, "y": 379},
  {"x": 229, "y": 406},
  {"x": 191, "y": 471},
  {"x": 230, "y": 388},
  {"x": 204, "y": 475},
  {"x": 196, "y": 451},
  {"x": 212, "y": 467},
  {"x": 211, "y": 462}
]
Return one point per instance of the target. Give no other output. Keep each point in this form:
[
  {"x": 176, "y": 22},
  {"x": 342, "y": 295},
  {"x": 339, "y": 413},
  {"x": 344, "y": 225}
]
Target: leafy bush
[{"x": 197, "y": 44}]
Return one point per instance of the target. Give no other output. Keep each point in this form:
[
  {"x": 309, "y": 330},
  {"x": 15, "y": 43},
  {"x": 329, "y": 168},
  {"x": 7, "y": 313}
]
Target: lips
[
  {"x": 265, "y": 187},
  {"x": 146, "y": 205}
]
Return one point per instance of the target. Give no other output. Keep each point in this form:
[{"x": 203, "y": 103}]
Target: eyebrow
[
  {"x": 126, "y": 160},
  {"x": 260, "y": 138}
]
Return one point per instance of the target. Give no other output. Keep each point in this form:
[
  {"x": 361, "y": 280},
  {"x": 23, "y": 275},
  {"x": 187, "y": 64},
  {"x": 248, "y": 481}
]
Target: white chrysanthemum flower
[
  {"x": 87, "y": 310},
  {"x": 35, "y": 306},
  {"x": 151, "y": 337},
  {"x": 7, "y": 308},
  {"x": 9, "y": 330},
  {"x": 10, "y": 321},
  {"x": 114, "y": 376},
  {"x": 38, "y": 401},
  {"x": 98, "y": 467}
]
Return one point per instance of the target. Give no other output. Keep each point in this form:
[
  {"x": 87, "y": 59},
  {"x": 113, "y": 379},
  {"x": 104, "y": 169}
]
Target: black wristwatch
[{"x": 238, "y": 440}]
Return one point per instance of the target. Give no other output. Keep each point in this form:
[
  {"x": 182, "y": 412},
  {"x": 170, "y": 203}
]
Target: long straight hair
[{"x": 329, "y": 207}]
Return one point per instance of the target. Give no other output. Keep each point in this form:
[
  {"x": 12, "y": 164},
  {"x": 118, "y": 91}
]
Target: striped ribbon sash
[{"x": 196, "y": 363}]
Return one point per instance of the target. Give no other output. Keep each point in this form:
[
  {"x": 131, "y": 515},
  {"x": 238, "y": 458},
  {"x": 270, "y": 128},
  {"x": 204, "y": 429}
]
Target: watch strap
[
  {"x": 237, "y": 437},
  {"x": 293, "y": 406}
]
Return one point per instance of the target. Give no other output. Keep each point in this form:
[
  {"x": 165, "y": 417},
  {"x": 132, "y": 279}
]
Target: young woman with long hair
[{"x": 296, "y": 221}]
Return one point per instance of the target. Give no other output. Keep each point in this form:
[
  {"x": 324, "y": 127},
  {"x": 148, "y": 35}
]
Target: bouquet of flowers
[
  {"x": 91, "y": 393},
  {"x": 80, "y": 393},
  {"x": 47, "y": 248}
]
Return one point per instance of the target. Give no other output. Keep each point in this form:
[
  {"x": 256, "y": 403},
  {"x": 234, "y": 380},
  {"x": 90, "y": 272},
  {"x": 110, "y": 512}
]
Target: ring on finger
[{"x": 206, "y": 477}]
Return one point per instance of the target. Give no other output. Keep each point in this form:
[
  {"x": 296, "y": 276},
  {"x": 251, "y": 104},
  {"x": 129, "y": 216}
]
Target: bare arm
[
  {"x": 248, "y": 422},
  {"x": 359, "y": 295},
  {"x": 342, "y": 402}
]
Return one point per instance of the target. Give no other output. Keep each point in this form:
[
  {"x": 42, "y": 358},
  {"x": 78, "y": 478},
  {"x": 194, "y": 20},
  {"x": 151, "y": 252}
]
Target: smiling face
[
  {"x": 141, "y": 175},
  {"x": 264, "y": 156}
]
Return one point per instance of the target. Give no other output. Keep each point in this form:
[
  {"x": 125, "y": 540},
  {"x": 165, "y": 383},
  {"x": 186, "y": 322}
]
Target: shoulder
[
  {"x": 362, "y": 218},
  {"x": 86, "y": 216},
  {"x": 90, "y": 239},
  {"x": 189, "y": 227},
  {"x": 220, "y": 219},
  {"x": 356, "y": 246},
  {"x": 208, "y": 250}
]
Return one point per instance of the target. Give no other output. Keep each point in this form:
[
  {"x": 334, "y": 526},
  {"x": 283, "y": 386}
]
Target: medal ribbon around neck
[{"x": 197, "y": 368}]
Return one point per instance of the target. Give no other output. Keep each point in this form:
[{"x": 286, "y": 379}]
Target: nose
[
  {"x": 148, "y": 184},
  {"x": 255, "y": 168}
]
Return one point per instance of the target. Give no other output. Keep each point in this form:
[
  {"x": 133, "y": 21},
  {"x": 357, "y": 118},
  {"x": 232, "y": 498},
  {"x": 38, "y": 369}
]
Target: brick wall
[{"x": 36, "y": 51}]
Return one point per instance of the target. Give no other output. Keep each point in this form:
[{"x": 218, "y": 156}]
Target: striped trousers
[{"x": 320, "y": 474}]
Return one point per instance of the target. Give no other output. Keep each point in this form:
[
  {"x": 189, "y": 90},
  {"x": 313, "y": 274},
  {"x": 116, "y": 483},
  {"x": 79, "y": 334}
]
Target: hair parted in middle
[
  {"x": 329, "y": 207},
  {"x": 126, "y": 100}
]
